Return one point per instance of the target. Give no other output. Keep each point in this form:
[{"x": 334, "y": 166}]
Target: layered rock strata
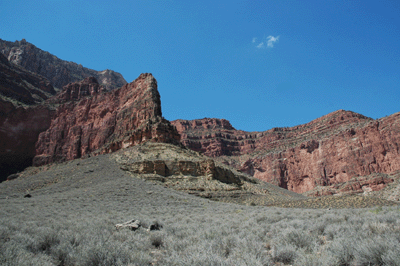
[
  {"x": 95, "y": 122},
  {"x": 329, "y": 150},
  {"x": 57, "y": 71}
]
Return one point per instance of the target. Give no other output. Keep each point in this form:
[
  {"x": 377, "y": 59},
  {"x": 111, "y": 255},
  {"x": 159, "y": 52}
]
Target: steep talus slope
[
  {"x": 329, "y": 150},
  {"x": 57, "y": 71},
  {"x": 104, "y": 122}
]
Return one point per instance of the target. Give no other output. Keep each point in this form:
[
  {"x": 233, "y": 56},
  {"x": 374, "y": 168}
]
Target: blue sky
[{"x": 259, "y": 64}]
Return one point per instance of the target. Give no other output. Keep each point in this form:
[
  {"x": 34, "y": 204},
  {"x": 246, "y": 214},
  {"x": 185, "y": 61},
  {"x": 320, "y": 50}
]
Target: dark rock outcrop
[
  {"x": 22, "y": 86},
  {"x": 23, "y": 115},
  {"x": 19, "y": 131},
  {"x": 327, "y": 151},
  {"x": 104, "y": 122},
  {"x": 57, "y": 71}
]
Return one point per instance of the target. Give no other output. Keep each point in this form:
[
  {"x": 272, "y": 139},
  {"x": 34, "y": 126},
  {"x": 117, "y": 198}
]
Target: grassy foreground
[{"x": 70, "y": 220}]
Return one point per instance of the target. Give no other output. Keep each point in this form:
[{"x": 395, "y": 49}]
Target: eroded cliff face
[
  {"x": 57, "y": 71},
  {"x": 327, "y": 151},
  {"x": 91, "y": 121}
]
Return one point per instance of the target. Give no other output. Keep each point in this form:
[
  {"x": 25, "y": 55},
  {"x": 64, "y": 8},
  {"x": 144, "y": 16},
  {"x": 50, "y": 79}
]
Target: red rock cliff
[
  {"x": 329, "y": 150},
  {"x": 103, "y": 122}
]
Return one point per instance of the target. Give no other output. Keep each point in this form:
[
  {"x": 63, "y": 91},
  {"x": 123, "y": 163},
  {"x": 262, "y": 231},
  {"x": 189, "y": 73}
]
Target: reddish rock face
[
  {"x": 329, "y": 150},
  {"x": 104, "y": 122}
]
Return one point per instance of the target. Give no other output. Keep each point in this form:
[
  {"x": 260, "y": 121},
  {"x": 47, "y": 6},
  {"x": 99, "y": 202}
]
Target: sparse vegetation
[{"x": 70, "y": 220}]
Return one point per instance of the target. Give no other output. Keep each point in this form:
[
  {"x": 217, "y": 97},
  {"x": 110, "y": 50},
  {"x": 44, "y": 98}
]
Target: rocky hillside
[
  {"x": 57, "y": 71},
  {"x": 327, "y": 151},
  {"x": 95, "y": 122}
]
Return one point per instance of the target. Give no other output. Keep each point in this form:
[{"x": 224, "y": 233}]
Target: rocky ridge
[
  {"x": 95, "y": 122},
  {"x": 327, "y": 151},
  {"x": 57, "y": 71}
]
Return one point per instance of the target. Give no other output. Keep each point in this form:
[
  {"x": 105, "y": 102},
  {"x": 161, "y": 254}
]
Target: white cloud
[
  {"x": 260, "y": 45},
  {"x": 272, "y": 40},
  {"x": 268, "y": 42}
]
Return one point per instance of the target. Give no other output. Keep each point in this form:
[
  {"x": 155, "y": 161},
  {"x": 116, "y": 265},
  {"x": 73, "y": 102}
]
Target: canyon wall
[{"x": 327, "y": 151}]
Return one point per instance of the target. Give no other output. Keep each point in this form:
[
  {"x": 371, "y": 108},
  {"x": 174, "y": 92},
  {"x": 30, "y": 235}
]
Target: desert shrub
[
  {"x": 391, "y": 257},
  {"x": 297, "y": 238},
  {"x": 342, "y": 250},
  {"x": 157, "y": 239},
  {"x": 318, "y": 227},
  {"x": 284, "y": 253},
  {"x": 376, "y": 250},
  {"x": 44, "y": 242},
  {"x": 4, "y": 235},
  {"x": 337, "y": 230},
  {"x": 316, "y": 260},
  {"x": 14, "y": 254},
  {"x": 64, "y": 254},
  {"x": 377, "y": 210},
  {"x": 225, "y": 246},
  {"x": 202, "y": 259},
  {"x": 104, "y": 254}
]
